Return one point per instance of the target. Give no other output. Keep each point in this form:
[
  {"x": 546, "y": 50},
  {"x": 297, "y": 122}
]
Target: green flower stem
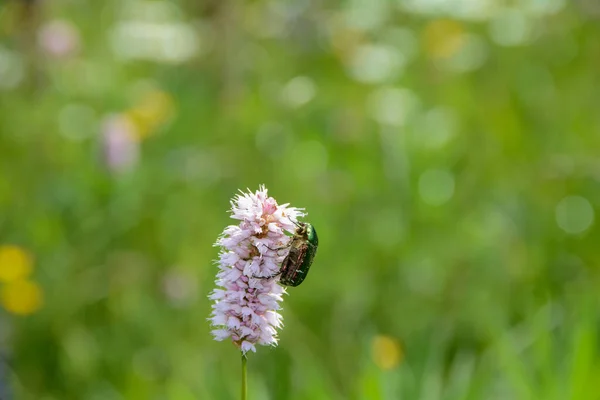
[{"x": 244, "y": 378}]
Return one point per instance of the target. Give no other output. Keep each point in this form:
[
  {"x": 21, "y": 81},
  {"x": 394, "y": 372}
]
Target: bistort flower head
[{"x": 247, "y": 298}]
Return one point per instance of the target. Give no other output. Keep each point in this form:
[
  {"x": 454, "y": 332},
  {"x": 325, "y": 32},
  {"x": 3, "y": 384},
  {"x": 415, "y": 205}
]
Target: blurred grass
[{"x": 436, "y": 152}]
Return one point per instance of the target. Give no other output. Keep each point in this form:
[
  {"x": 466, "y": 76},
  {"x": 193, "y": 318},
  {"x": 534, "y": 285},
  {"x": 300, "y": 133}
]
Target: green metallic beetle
[{"x": 303, "y": 247}]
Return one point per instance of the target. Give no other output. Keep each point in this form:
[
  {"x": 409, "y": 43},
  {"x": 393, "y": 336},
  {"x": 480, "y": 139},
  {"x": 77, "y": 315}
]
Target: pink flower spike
[{"x": 246, "y": 304}]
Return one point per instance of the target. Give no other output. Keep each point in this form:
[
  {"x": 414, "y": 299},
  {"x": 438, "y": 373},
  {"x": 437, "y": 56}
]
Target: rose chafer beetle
[{"x": 303, "y": 247}]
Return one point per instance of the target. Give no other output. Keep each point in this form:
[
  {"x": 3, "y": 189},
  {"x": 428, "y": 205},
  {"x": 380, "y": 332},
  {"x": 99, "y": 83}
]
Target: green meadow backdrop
[{"x": 447, "y": 152}]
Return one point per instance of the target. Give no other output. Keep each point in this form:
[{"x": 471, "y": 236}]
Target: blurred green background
[{"x": 447, "y": 151}]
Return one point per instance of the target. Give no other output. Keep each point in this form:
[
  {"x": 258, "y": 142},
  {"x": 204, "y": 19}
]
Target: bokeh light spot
[
  {"x": 152, "y": 11},
  {"x": 392, "y": 106},
  {"x": 367, "y": 15},
  {"x": 81, "y": 349},
  {"x": 386, "y": 352},
  {"x": 443, "y": 38},
  {"x": 375, "y": 63},
  {"x": 436, "y": 186},
  {"x": 21, "y": 297},
  {"x": 544, "y": 7},
  {"x": 462, "y": 9},
  {"x": 298, "y": 91},
  {"x": 436, "y": 127},
  {"x": 510, "y": 28},
  {"x": 574, "y": 214},
  {"x": 11, "y": 69},
  {"x": 160, "y": 42},
  {"x": 15, "y": 263}
]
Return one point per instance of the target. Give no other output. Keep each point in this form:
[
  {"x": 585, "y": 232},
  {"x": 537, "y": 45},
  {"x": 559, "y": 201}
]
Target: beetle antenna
[{"x": 292, "y": 221}]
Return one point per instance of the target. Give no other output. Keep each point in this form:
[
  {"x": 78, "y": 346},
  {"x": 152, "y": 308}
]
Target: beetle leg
[
  {"x": 277, "y": 249},
  {"x": 268, "y": 276}
]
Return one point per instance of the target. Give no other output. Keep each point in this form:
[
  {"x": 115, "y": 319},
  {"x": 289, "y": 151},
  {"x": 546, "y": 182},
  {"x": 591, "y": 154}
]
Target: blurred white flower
[
  {"x": 165, "y": 42},
  {"x": 59, "y": 38},
  {"x": 246, "y": 305}
]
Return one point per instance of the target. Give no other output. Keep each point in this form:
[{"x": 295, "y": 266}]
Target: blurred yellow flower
[
  {"x": 443, "y": 38},
  {"x": 155, "y": 109},
  {"x": 21, "y": 297},
  {"x": 386, "y": 352},
  {"x": 15, "y": 263}
]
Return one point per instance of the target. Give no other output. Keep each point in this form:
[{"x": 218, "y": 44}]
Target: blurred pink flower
[
  {"x": 120, "y": 143},
  {"x": 246, "y": 306},
  {"x": 59, "y": 38},
  {"x": 179, "y": 287}
]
